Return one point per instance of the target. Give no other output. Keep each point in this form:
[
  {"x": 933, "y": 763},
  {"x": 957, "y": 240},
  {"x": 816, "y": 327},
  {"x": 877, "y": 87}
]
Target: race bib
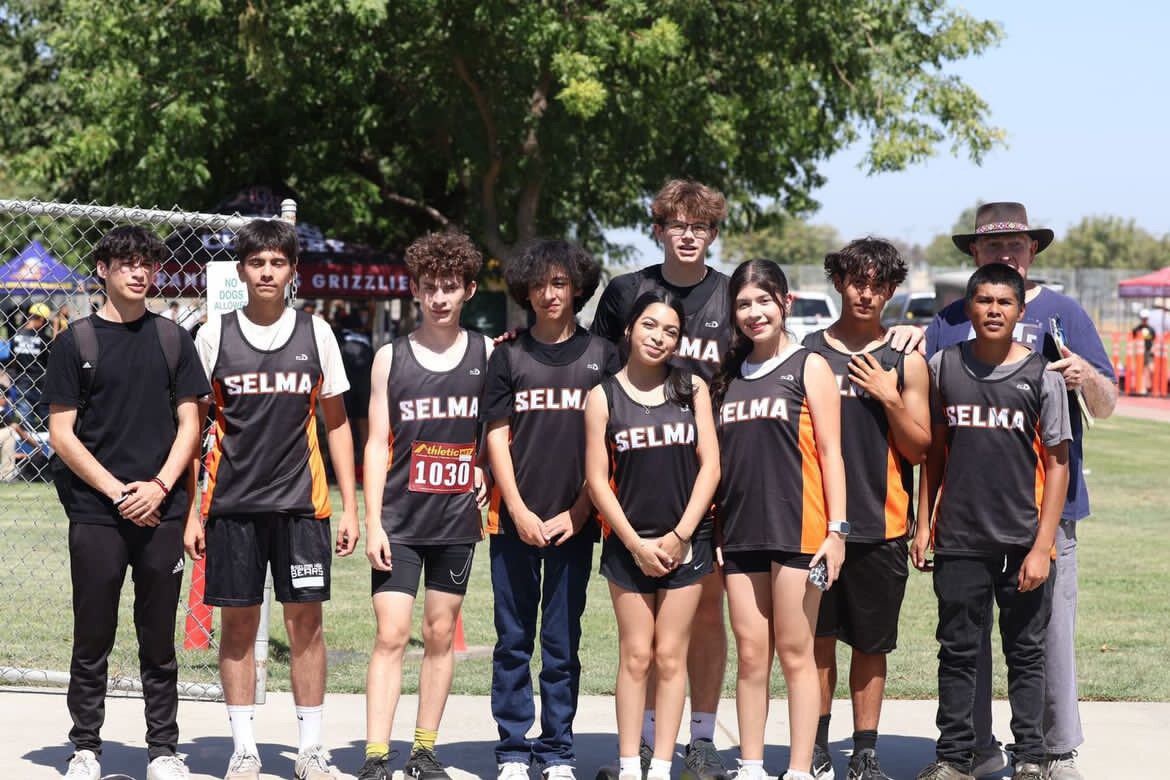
[{"x": 436, "y": 467}]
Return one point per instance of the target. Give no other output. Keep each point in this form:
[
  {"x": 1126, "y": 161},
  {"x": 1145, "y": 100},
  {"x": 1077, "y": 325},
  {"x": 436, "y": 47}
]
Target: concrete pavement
[{"x": 1124, "y": 739}]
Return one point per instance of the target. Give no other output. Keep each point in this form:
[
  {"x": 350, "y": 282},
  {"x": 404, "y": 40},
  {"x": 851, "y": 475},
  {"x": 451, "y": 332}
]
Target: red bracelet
[{"x": 166, "y": 490}]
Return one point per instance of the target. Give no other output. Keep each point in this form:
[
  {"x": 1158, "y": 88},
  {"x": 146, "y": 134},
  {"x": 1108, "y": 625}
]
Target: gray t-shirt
[{"x": 1055, "y": 425}]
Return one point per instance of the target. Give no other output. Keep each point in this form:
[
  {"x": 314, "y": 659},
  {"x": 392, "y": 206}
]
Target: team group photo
[{"x": 497, "y": 489}]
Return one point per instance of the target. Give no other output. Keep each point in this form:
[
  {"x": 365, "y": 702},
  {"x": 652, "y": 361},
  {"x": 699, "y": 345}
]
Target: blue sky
[{"x": 1080, "y": 89}]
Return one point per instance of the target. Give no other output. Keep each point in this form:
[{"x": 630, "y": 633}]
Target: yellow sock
[
  {"x": 424, "y": 738},
  {"x": 377, "y": 749}
]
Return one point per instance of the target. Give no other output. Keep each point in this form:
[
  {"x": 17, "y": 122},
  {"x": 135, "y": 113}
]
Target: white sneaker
[
  {"x": 512, "y": 770},
  {"x": 558, "y": 772},
  {"x": 84, "y": 766},
  {"x": 167, "y": 768},
  {"x": 313, "y": 764},
  {"x": 1063, "y": 767},
  {"x": 243, "y": 766},
  {"x": 752, "y": 772}
]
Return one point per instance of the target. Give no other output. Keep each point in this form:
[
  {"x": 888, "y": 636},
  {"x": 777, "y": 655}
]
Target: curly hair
[
  {"x": 537, "y": 261},
  {"x": 689, "y": 198},
  {"x": 443, "y": 255},
  {"x": 129, "y": 242},
  {"x": 864, "y": 256}
]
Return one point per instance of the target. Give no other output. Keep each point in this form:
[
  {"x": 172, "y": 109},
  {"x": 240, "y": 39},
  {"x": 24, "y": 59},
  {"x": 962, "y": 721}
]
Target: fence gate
[{"x": 45, "y": 268}]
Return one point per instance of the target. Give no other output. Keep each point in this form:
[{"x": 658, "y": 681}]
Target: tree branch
[
  {"x": 367, "y": 167},
  {"x": 491, "y": 217},
  {"x": 534, "y": 172}
]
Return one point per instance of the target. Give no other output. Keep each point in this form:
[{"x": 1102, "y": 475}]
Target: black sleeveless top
[
  {"x": 771, "y": 495},
  {"x": 429, "y": 497},
  {"x": 654, "y": 459},
  {"x": 265, "y": 456},
  {"x": 547, "y": 426},
  {"x": 994, "y": 478},
  {"x": 879, "y": 481}
]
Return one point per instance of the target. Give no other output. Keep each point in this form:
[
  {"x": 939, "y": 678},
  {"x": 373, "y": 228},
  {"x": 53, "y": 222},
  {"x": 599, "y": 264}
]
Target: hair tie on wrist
[{"x": 162, "y": 485}]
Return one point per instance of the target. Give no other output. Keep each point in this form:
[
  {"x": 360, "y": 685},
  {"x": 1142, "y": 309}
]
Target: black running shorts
[
  {"x": 240, "y": 548},
  {"x": 758, "y": 561},
  {"x": 617, "y": 566},
  {"x": 447, "y": 568},
  {"x": 862, "y": 607}
]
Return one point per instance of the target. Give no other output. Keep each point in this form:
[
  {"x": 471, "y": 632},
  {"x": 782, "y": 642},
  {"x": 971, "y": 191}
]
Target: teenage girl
[
  {"x": 781, "y": 507},
  {"x": 650, "y": 428}
]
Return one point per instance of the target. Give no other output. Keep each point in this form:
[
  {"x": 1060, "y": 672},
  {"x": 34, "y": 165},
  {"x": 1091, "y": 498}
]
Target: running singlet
[
  {"x": 878, "y": 479},
  {"x": 548, "y": 427},
  {"x": 994, "y": 477},
  {"x": 654, "y": 459},
  {"x": 265, "y": 456},
  {"x": 770, "y": 496},
  {"x": 429, "y": 496}
]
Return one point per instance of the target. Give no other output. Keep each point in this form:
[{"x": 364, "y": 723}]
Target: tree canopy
[{"x": 508, "y": 119}]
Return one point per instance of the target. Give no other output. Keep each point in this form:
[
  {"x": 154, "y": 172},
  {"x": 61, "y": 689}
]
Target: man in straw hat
[{"x": 1057, "y": 325}]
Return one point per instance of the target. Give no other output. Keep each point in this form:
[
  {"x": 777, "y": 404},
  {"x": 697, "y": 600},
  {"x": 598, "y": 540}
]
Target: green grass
[{"x": 1121, "y": 637}]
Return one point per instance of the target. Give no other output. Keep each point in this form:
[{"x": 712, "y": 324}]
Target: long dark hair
[
  {"x": 766, "y": 275},
  {"x": 679, "y": 387}
]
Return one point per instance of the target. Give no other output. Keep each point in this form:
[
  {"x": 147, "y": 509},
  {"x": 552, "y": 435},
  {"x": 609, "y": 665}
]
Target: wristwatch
[{"x": 839, "y": 526}]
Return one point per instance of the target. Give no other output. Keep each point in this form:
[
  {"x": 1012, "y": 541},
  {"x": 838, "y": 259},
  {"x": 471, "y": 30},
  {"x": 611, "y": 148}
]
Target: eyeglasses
[{"x": 698, "y": 229}]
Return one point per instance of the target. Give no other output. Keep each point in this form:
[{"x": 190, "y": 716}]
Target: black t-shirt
[
  {"x": 498, "y": 391},
  {"x": 28, "y": 352},
  {"x": 128, "y": 425},
  {"x": 707, "y": 333}
]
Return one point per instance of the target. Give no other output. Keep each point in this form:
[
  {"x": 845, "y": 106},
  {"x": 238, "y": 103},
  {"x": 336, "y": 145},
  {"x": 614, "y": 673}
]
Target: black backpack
[{"x": 85, "y": 336}]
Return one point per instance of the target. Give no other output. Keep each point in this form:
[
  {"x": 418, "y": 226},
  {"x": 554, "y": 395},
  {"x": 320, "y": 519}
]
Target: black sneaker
[
  {"x": 424, "y": 765},
  {"x": 376, "y": 768},
  {"x": 942, "y": 770},
  {"x": 703, "y": 762},
  {"x": 612, "y": 772},
  {"x": 822, "y": 763},
  {"x": 863, "y": 765}
]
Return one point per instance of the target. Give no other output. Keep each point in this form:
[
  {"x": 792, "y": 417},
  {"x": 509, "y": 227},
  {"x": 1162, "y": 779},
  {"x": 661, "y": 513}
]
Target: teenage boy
[
  {"x": 1003, "y": 235},
  {"x": 423, "y": 495},
  {"x": 686, "y": 221},
  {"x": 122, "y": 386},
  {"x": 542, "y": 541},
  {"x": 885, "y": 426},
  {"x": 998, "y": 465},
  {"x": 266, "y": 500}
]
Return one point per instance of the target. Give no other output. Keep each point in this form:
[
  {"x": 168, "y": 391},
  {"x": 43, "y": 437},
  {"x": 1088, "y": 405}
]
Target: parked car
[
  {"x": 910, "y": 308},
  {"x": 811, "y": 311}
]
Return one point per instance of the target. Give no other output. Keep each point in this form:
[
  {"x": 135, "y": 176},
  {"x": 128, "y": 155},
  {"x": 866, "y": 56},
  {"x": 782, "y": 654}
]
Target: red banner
[{"x": 315, "y": 279}]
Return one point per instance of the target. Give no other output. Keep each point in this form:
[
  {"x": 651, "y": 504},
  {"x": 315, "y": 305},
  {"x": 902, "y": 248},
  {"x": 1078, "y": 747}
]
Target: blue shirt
[{"x": 951, "y": 326}]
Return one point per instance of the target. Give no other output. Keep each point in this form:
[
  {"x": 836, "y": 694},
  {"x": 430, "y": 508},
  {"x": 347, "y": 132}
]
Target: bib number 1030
[{"x": 436, "y": 467}]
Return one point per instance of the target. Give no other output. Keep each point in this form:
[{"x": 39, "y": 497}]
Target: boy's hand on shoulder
[{"x": 1034, "y": 570}]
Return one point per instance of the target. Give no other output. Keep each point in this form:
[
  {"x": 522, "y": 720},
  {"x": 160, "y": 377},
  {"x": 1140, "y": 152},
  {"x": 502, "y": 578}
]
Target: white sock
[
  {"x": 659, "y": 769},
  {"x": 648, "y": 728},
  {"x": 309, "y": 726},
  {"x": 792, "y": 774},
  {"x": 243, "y": 740},
  {"x": 752, "y": 767},
  {"x": 630, "y": 766},
  {"x": 702, "y": 726}
]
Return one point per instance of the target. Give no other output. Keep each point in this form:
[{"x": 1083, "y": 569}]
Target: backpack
[{"x": 85, "y": 336}]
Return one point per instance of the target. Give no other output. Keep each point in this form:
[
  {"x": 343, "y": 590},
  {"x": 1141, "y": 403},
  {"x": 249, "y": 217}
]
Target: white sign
[{"x": 225, "y": 291}]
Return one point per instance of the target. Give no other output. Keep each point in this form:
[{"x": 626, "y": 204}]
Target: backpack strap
[
  {"x": 85, "y": 337},
  {"x": 168, "y": 339}
]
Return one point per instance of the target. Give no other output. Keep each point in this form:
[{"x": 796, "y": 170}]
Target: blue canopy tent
[{"x": 34, "y": 271}]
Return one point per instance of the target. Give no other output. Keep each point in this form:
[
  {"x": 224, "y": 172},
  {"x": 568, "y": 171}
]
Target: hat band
[{"x": 1000, "y": 227}]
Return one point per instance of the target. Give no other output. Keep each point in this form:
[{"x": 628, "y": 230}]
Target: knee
[
  {"x": 237, "y": 631},
  {"x": 636, "y": 661},
  {"x": 303, "y": 626},
  {"x": 795, "y": 654},
  {"x": 669, "y": 662},
  {"x": 438, "y": 633},
  {"x": 755, "y": 658},
  {"x": 391, "y": 641}
]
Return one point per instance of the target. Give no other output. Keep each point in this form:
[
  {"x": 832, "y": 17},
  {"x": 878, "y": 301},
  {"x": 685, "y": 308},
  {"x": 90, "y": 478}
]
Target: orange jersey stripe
[
  {"x": 216, "y": 453},
  {"x": 897, "y": 499},
  {"x": 493, "y": 512},
  {"x": 814, "y": 524},
  {"x": 321, "y": 507}
]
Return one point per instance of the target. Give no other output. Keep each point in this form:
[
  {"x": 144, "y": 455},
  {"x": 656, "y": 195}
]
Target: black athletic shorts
[
  {"x": 757, "y": 561},
  {"x": 447, "y": 567},
  {"x": 617, "y": 566},
  {"x": 240, "y": 548},
  {"x": 862, "y": 607}
]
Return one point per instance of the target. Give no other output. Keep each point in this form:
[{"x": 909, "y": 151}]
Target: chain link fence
[{"x": 46, "y": 281}]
